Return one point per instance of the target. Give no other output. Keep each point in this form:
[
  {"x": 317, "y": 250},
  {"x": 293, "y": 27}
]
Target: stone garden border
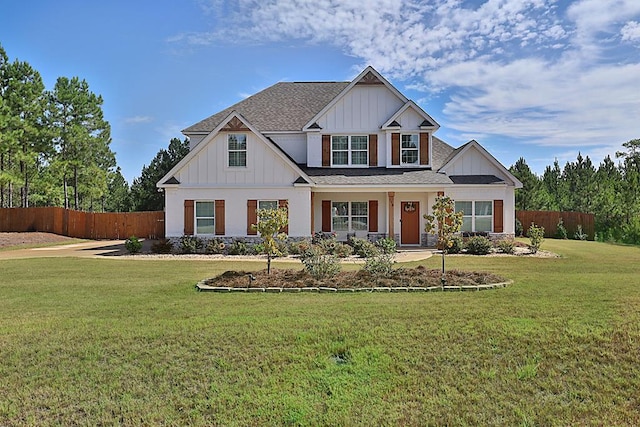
[{"x": 202, "y": 287}]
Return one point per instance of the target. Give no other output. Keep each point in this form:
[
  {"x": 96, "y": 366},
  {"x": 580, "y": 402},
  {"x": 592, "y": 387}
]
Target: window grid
[
  {"x": 237, "y": 148},
  {"x": 409, "y": 149},
  {"x": 205, "y": 217},
  {"x": 350, "y": 216},
  {"x": 349, "y": 150},
  {"x": 477, "y": 215}
]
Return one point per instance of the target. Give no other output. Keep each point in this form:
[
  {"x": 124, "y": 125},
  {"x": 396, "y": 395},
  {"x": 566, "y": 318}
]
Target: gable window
[
  {"x": 477, "y": 215},
  {"x": 205, "y": 217},
  {"x": 409, "y": 149},
  {"x": 349, "y": 150},
  {"x": 350, "y": 216},
  {"x": 237, "y": 148}
]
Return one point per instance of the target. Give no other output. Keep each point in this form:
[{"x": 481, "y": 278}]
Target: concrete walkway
[{"x": 114, "y": 249}]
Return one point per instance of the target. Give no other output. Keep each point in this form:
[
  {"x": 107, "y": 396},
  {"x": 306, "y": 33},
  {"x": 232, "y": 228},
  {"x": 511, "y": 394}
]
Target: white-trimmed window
[
  {"x": 268, "y": 204},
  {"x": 237, "y": 149},
  {"x": 350, "y": 216},
  {"x": 409, "y": 149},
  {"x": 205, "y": 217},
  {"x": 349, "y": 150},
  {"x": 477, "y": 215}
]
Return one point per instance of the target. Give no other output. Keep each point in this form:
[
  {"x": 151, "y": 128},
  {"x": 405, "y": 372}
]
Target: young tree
[
  {"x": 270, "y": 222},
  {"x": 444, "y": 222}
]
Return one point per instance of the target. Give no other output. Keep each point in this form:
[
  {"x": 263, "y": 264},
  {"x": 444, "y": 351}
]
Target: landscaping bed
[{"x": 417, "y": 278}]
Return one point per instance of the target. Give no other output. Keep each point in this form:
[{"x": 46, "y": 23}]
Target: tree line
[
  {"x": 611, "y": 191},
  {"x": 55, "y": 148}
]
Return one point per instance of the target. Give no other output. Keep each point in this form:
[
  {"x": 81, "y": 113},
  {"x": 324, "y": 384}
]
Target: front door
[{"x": 410, "y": 223}]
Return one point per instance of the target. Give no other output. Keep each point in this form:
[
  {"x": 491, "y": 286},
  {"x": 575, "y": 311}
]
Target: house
[{"x": 354, "y": 158}]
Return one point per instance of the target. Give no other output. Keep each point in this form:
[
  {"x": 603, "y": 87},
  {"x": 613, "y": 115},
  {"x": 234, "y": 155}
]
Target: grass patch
[
  {"x": 92, "y": 341},
  {"x": 41, "y": 245}
]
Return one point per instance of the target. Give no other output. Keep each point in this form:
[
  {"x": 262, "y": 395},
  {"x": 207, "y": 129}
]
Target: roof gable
[
  {"x": 369, "y": 77},
  {"x": 427, "y": 122},
  {"x": 473, "y": 149},
  {"x": 234, "y": 122}
]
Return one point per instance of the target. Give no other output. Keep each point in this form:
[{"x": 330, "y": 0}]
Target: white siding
[
  {"x": 294, "y": 144},
  {"x": 195, "y": 140},
  {"x": 363, "y": 109},
  {"x": 409, "y": 120},
  {"x": 473, "y": 162},
  {"x": 236, "y": 207},
  {"x": 314, "y": 149},
  {"x": 209, "y": 166}
]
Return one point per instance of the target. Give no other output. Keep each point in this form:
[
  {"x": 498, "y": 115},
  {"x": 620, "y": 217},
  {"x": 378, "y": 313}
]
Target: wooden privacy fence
[
  {"x": 549, "y": 220},
  {"x": 83, "y": 225}
]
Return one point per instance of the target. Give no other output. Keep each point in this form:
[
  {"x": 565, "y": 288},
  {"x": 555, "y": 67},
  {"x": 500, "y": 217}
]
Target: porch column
[
  {"x": 312, "y": 211},
  {"x": 392, "y": 196}
]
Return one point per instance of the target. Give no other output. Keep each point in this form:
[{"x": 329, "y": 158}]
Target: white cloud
[
  {"x": 631, "y": 31},
  {"x": 531, "y": 70},
  {"x": 138, "y": 119}
]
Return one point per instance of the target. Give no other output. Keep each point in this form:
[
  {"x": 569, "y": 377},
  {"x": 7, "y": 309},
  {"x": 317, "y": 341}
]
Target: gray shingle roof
[
  {"x": 475, "y": 179},
  {"x": 374, "y": 176},
  {"x": 285, "y": 106}
]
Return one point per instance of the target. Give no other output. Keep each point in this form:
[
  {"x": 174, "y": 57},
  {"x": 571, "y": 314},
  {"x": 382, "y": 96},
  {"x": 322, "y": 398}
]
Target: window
[
  {"x": 237, "y": 145},
  {"x": 205, "y": 217},
  {"x": 350, "y": 216},
  {"x": 267, "y": 204},
  {"x": 478, "y": 215},
  {"x": 349, "y": 150},
  {"x": 409, "y": 149}
]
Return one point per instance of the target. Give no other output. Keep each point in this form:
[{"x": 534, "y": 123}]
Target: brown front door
[{"x": 410, "y": 223}]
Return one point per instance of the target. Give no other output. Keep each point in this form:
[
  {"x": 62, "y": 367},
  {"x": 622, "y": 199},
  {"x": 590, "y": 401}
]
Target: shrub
[
  {"x": 457, "y": 245},
  {"x": 215, "y": 246},
  {"x": 319, "y": 236},
  {"x": 363, "y": 248},
  {"x": 519, "y": 228},
  {"x": 380, "y": 264},
  {"x": 319, "y": 264},
  {"x": 238, "y": 247},
  {"x": 163, "y": 246},
  {"x": 133, "y": 245},
  {"x": 297, "y": 248},
  {"x": 190, "y": 244},
  {"x": 343, "y": 250},
  {"x": 536, "y": 235},
  {"x": 561, "y": 230},
  {"x": 478, "y": 245},
  {"x": 328, "y": 245},
  {"x": 580, "y": 235},
  {"x": 506, "y": 246},
  {"x": 387, "y": 245}
]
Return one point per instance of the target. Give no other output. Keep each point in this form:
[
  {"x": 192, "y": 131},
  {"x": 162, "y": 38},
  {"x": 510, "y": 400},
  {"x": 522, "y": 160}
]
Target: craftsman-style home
[{"x": 354, "y": 158}]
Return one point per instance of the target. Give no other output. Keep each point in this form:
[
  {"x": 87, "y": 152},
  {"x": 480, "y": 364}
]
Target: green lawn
[{"x": 104, "y": 342}]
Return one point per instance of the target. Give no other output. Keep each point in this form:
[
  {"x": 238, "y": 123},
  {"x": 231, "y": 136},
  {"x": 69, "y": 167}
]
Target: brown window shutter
[
  {"x": 219, "y": 218},
  {"x": 395, "y": 148},
  {"x": 326, "y": 150},
  {"x": 188, "y": 217},
  {"x": 373, "y": 216},
  {"x": 424, "y": 148},
  {"x": 498, "y": 216},
  {"x": 284, "y": 204},
  {"x": 440, "y": 193},
  {"x": 326, "y": 215},
  {"x": 252, "y": 217},
  {"x": 373, "y": 150}
]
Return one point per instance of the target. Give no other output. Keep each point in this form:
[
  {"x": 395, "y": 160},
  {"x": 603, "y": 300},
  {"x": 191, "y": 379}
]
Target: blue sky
[{"x": 542, "y": 79}]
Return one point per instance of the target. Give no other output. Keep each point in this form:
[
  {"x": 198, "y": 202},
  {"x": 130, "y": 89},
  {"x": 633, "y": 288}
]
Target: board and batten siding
[
  {"x": 294, "y": 144},
  {"x": 235, "y": 207},
  {"x": 474, "y": 163},
  {"x": 210, "y": 166}
]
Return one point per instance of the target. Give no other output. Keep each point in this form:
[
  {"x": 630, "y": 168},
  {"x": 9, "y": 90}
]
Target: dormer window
[
  {"x": 237, "y": 149},
  {"x": 349, "y": 150},
  {"x": 409, "y": 151}
]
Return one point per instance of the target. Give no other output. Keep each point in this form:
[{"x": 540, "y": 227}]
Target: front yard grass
[{"x": 87, "y": 341}]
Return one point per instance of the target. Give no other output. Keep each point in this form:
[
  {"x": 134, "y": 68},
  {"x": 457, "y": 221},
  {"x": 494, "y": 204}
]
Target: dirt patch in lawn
[
  {"x": 32, "y": 238},
  {"x": 401, "y": 277}
]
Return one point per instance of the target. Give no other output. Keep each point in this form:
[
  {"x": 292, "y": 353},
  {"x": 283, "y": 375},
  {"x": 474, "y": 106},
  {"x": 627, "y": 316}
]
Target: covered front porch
[{"x": 374, "y": 214}]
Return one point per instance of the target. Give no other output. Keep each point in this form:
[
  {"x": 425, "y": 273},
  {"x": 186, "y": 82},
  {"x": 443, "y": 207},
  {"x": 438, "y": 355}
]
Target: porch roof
[{"x": 375, "y": 176}]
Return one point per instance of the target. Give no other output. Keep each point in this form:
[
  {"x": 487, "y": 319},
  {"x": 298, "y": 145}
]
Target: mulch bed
[{"x": 401, "y": 277}]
